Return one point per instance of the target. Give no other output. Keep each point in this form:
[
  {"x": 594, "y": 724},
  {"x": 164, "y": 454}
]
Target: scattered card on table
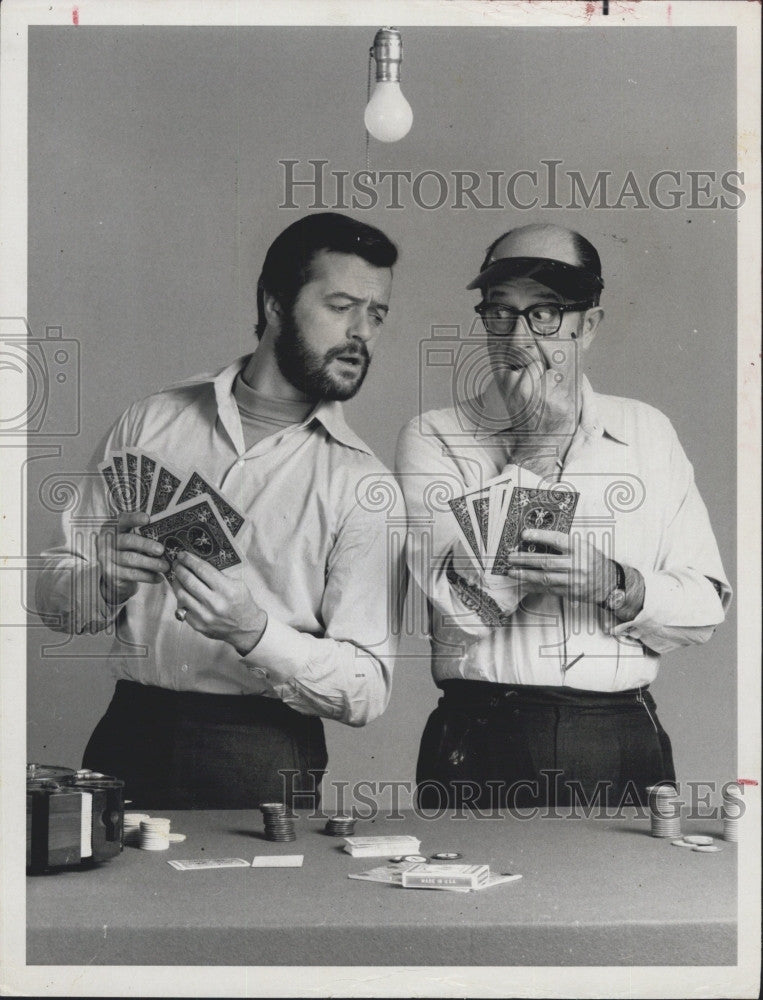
[
  {"x": 194, "y": 865},
  {"x": 278, "y": 861}
]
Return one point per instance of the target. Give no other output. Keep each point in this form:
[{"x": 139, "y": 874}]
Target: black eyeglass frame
[{"x": 481, "y": 307}]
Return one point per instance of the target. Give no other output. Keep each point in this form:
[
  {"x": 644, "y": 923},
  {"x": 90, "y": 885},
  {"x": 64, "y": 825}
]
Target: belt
[
  {"x": 131, "y": 696},
  {"x": 487, "y": 694}
]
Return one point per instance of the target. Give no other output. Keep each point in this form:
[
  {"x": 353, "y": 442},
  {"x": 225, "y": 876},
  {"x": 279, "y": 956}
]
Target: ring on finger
[{"x": 181, "y": 613}]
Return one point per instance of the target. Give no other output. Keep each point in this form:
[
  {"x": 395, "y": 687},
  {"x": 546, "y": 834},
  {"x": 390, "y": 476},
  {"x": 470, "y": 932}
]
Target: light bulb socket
[{"x": 387, "y": 51}]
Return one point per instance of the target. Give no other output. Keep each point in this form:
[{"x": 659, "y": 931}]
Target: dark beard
[{"x": 309, "y": 372}]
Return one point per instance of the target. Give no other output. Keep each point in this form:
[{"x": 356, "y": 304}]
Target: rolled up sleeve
[
  {"x": 686, "y": 594},
  {"x": 68, "y": 595}
]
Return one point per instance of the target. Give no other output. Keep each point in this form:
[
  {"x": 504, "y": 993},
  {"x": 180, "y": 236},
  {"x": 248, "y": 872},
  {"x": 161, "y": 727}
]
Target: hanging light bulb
[{"x": 388, "y": 115}]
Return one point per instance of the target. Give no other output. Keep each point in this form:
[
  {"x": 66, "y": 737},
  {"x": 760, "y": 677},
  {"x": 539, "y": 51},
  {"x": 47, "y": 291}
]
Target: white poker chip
[
  {"x": 177, "y": 838},
  {"x": 414, "y": 857},
  {"x": 707, "y": 848},
  {"x": 699, "y": 841},
  {"x": 447, "y": 856},
  {"x": 681, "y": 843}
]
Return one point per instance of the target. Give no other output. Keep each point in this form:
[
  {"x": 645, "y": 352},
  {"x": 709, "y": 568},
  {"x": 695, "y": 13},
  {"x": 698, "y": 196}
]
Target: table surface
[{"x": 593, "y": 892}]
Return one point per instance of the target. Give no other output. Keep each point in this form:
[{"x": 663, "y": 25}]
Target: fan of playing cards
[
  {"x": 491, "y": 519},
  {"x": 185, "y": 512}
]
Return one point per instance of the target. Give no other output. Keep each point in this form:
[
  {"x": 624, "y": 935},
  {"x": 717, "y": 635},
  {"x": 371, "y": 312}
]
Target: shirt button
[
  {"x": 184, "y": 668},
  {"x": 240, "y": 464}
]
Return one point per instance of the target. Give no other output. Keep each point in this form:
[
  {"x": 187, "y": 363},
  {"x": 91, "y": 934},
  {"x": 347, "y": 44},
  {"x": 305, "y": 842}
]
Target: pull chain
[{"x": 368, "y": 98}]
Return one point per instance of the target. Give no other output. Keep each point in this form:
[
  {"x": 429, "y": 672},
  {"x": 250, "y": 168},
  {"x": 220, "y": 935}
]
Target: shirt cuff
[
  {"x": 103, "y": 612},
  {"x": 280, "y": 652},
  {"x": 671, "y": 602}
]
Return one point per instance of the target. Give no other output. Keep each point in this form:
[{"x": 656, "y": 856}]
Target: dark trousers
[
  {"x": 503, "y": 745},
  {"x": 181, "y": 750}
]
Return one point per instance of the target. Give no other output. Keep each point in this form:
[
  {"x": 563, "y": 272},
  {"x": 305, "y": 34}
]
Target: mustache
[{"x": 356, "y": 349}]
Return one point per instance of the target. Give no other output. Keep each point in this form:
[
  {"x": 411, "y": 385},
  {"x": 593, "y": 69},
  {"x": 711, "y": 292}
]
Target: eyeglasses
[{"x": 544, "y": 320}]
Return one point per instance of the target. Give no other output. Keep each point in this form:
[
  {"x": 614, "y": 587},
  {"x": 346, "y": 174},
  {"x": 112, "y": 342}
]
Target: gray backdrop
[{"x": 154, "y": 193}]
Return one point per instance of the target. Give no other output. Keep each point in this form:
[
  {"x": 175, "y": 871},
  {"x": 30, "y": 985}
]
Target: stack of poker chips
[
  {"x": 664, "y": 811},
  {"x": 340, "y": 826},
  {"x": 132, "y": 823},
  {"x": 154, "y": 834},
  {"x": 278, "y": 826},
  {"x": 731, "y": 811}
]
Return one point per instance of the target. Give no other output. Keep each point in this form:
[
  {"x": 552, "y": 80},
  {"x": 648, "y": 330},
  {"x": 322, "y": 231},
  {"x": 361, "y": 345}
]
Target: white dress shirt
[
  {"x": 315, "y": 558},
  {"x": 638, "y": 504}
]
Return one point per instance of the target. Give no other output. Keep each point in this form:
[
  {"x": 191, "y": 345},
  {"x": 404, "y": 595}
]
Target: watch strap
[{"x": 619, "y": 585}]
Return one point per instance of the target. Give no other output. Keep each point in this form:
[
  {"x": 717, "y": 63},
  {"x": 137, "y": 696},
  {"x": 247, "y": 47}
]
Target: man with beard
[
  {"x": 240, "y": 666},
  {"x": 545, "y": 672}
]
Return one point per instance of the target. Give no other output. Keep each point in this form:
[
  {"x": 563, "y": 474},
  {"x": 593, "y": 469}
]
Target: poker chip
[
  {"x": 340, "y": 826},
  {"x": 706, "y": 848},
  {"x": 154, "y": 834},
  {"x": 446, "y": 856},
  {"x": 279, "y": 828},
  {"x": 664, "y": 811},
  {"x": 698, "y": 841},
  {"x": 414, "y": 857},
  {"x": 681, "y": 843},
  {"x": 176, "y": 838},
  {"x": 731, "y": 813}
]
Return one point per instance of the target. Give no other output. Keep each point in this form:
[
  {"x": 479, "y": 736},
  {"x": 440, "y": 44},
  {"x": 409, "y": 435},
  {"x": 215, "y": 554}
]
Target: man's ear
[
  {"x": 273, "y": 310},
  {"x": 591, "y": 321}
]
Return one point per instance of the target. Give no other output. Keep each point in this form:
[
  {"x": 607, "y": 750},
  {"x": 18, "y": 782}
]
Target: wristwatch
[{"x": 616, "y": 597}]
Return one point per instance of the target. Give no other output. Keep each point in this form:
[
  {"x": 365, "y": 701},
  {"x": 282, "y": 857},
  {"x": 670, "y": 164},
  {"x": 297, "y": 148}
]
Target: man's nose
[
  {"x": 360, "y": 328},
  {"x": 521, "y": 330}
]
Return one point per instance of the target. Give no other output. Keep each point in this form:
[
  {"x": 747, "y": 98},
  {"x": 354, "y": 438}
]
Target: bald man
[{"x": 545, "y": 670}]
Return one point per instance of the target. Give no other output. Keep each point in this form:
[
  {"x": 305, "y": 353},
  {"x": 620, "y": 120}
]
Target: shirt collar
[
  {"x": 329, "y": 414},
  {"x": 599, "y": 415}
]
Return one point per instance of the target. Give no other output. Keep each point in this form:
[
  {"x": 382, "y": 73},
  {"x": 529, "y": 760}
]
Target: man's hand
[
  {"x": 541, "y": 404},
  {"x": 219, "y": 606},
  {"x": 579, "y": 572},
  {"x": 127, "y": 559}
]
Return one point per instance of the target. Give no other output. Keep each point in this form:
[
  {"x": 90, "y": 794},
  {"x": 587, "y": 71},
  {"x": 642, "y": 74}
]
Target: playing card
[
  {"x": 500, "y": 494},
  {"x": 193, "y": 527},
  {"x": 148, "y": 467},
  {"x": 132, "y": 471},
  {"x": 123, "y": 481},
  {"x": 195, "y": 485},
  {"x": 114, "y": 493},
  {"x": 481, "y": 508},
  {"x": 547, "y": 510},
  {"x": 166, "y": 484},
  {"x": 278, "y": 860},
  {"x": 140, "y": 469},
  {"x": 194, "y": 865},
  {"x": 466, "y": 530}
]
